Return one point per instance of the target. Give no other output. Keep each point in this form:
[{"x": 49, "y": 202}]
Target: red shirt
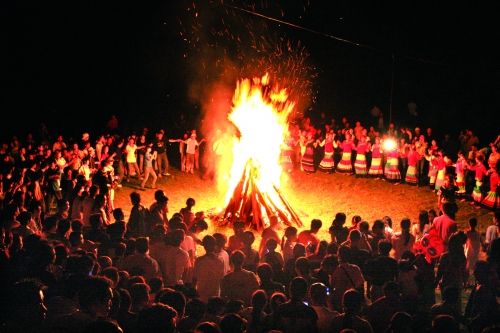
[
  {"x": 494, "y": 181},
  {"x": 445, "y": 226},
  {"x": 413, "y": 158},
  {"x": 307, "y": 238}
]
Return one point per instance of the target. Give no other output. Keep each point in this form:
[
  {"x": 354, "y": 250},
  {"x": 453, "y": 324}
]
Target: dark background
[{"x": 73, "y": 64}]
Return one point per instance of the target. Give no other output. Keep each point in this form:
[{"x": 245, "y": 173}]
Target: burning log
[
  {"x": 248, "y": 203},
  {"x": 260, "y": 114}
]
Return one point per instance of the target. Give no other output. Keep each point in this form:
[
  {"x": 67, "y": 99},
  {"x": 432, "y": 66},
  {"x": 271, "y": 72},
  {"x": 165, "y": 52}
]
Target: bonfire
[{"x": 260, "y": 114}]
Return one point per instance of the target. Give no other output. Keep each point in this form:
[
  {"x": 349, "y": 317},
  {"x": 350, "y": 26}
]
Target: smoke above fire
[{"x": 223, "y": 45}]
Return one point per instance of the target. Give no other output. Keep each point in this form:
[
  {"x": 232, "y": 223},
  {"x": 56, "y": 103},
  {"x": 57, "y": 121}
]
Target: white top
[
  {"x": 191, "y": 145},
  {"x": 492, "y": 233}
]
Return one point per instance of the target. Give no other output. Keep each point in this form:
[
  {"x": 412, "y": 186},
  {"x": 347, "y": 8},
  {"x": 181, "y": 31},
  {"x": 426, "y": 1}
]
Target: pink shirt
[{"x": 494, "y": 181}]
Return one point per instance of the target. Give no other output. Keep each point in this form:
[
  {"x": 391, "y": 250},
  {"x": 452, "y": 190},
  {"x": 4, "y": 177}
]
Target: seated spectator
[
  {"x": 271, "y": 232},
  {"x": 141, "y": 262},
  {"x": 175, "y": 262},
  {"x": 448, "y": 306},
  {"x": 240, "y": 283},
  {"x": 352, "y": 301},
  {"x": 207, "y": 327},
  {"x": 233, "y": 323},
  {"x": 295, "y": 315},
  {"x": 319, "y": 293},
  {"x": 208, "y": 271},
  {"x": 220, "y": 250},
  {"x": 403, "y": 241},
  {"x": 337, "y": 230},
  {"x": 215, "y": 309},
  {"x": 380, "y": 312},
  {"x": 444, "y": 323},
  {"x": 26, "y": 311},
  {"x": 272, "y": 257},
  {"x": 255, "y": 314},
  {"x": 187, "y": 214},
  {"x": 328, "y": 266},
  {"x": 381, "y": 269},
  {"x": 195, "y": 311},
  {"x": 308, "y": 238},
  {"x": 252, "y": 257},
  {"x": 157, "y": 318},
  {"x": 265, "y": 273},
  {"x": 94, "y": 298},
  {"x": 346, "y": 276}
]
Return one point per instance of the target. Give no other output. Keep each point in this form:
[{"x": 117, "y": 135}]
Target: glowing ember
[{"x": 260, "y": 114}]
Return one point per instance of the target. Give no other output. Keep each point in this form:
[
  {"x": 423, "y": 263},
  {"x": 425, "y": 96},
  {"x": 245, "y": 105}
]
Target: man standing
[
  {"x": 445, "y": 224},
  {"x": 208, "y": 271},
  {"x": 160, "y": 146}
]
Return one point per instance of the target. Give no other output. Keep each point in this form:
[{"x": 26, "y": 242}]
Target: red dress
[
  {"x": 492, "y": 199},
  {"x": 326, "y": 164},
  {"x": 391, "y": 169},
  {"x": 411, "y": 173},
  {"x": 360, "y": 163},
  {"x": 376, "y": 165},
  {"x": 345, "y": 164}
]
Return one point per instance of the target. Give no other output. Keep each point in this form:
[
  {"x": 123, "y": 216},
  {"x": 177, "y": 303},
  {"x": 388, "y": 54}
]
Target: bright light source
[{"x": 389, "y": 144}]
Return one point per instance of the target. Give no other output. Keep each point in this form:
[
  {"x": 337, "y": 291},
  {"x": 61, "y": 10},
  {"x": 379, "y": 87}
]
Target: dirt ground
[{"x": 315, "y": 195}]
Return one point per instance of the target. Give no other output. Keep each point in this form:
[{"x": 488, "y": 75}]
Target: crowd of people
[
  {"x": 458, "y": 167},
  {"x": 70, "y": 262}
]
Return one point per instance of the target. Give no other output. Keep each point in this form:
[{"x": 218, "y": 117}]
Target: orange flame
[{"x": 260, "y": 113}]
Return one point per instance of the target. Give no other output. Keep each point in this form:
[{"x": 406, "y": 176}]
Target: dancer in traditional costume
[
  {"x": 492, "y": 199},
  {"x": 480, "y": 171},
  {"x": 391, "y": 169},
  {"x": 345, "y": 164},
  {"x": 376, "y": 169},
  {"x": 360, "y": 163},
  {"x": 411, "y": 172},
  {"x": 433, "y": 168},
  {"x": 441, "y": 170},
  {"x": 327, "y": 163},
  {"x": 286, "y": 155},
  {"x": 307, "y": 161},
  {"x": 460, "y": 167}
]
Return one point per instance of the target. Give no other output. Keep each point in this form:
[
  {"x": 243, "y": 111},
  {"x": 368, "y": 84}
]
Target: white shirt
[
  {"x": 491, "y": 234},
  {"x": 224, "y": 257},
  {"x": 191, "y": 145}
]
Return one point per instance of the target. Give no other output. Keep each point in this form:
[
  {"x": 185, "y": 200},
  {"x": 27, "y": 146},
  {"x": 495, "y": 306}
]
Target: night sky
[{"x": 77, "y": 62}]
